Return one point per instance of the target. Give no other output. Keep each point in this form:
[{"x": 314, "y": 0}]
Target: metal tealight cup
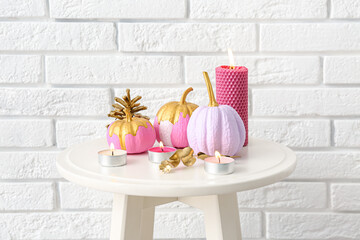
[
  {"x": 106, "y": 159},
  {"x": 158, "y": 157}
]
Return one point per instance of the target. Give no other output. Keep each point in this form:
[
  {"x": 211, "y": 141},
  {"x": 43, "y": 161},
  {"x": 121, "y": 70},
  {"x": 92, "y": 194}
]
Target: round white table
[{"x": 139, "y": 186}]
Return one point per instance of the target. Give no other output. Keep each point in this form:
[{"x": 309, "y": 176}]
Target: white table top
[{"x": 261, "y": 163}]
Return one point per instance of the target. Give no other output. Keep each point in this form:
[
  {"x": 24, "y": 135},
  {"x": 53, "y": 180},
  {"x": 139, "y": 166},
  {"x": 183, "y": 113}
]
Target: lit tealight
[
  {"x": 112, "y": 157},
  {"x": 219, "y": 165},
  {"x": 161, "y": 153}
]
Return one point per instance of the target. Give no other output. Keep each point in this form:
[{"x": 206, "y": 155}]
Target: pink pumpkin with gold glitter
[
  {"x": 171, "y": 122},
  {"x": 133, "y": 134}
]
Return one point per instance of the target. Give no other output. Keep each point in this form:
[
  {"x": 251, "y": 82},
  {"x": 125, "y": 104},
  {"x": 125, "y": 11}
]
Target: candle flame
[
  {"x": 217, "y": 155},
  {"x": 161, "y": 146},
  {"x": 112, "y": 147},
  {"x": 231, "y": 58}
]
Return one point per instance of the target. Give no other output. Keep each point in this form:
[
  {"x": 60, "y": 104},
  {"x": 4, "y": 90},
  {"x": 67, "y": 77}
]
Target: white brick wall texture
[{"x": 62, "y": 62}]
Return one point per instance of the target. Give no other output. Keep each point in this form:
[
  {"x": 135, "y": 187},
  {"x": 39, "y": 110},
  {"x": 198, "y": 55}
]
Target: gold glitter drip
[
  {"x": 129, "y": 125},
  {"x": 171, "y": 111}
]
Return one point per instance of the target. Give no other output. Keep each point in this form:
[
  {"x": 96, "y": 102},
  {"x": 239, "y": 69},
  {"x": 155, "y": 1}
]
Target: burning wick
[
  {"x": 161, "y": 146},
  {"x": 217, "y": 155},
  {"x": 231, "y": 59},
  {"x": 112, "y": 149}
]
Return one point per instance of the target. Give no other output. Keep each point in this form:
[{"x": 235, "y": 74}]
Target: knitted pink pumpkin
[
  {"x": 133, "y": 134},
  {"x": 215, "y": 128},
  {"x": 171, "y": 122}
]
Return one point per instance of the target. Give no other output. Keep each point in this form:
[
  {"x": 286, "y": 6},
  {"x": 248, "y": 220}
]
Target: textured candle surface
[{"x": 232, "y": 90}]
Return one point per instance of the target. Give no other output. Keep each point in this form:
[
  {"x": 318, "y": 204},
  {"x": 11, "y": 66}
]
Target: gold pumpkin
[
  {"x": 140, "y": 141},
  {"x": 171, "y": 133}
]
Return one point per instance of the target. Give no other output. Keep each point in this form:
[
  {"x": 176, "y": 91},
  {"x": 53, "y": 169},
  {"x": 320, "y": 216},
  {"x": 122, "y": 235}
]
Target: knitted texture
[{"x": 232, "y": 90}]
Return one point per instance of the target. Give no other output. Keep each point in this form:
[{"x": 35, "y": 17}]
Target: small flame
[
  {"x": 231, "y": 59},
  {"x": 161, "y": 146},
  {"x": 217, "y": 155},
  {"x": 112, "y": 148}
]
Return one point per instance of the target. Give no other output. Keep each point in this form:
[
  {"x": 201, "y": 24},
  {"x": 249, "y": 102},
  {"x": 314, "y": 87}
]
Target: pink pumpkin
[
  {"x": 215, "y": 128},
  {"x": 171, "y": 122},
  {"x": 133, "y": 134}
]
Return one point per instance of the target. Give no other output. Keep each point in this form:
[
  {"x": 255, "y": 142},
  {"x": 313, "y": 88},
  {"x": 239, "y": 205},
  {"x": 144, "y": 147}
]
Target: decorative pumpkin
[
  {"x": 133, "y": 134},
  {"x": 171, "y": 122},
  {"x": 131, "y": 131},
  {"x": 215, "y": 128}
]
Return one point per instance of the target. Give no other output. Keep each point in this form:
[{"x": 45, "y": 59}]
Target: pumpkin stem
[
  {"x": 128, "y": 115},
  {"x": 183, "y": 97},
  {"x": 212, "y": 102}
]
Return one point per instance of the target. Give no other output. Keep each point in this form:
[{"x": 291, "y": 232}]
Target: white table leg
[
  {"x": 221, "y": 215},
  {"x": 147, "y": 223},
  {"x": 133, "y": 217},
  {"x": 126, "y": 217}
]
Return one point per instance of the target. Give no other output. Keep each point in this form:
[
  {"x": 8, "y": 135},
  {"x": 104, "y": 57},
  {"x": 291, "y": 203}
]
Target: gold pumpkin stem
[
  {"x": 183, "y": 97},
  {"x": 128, "y": 115},
  {"x": 212, "y": 102}
]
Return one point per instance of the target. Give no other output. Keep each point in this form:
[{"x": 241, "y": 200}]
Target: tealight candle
[
  {"x": 112, "y": 157},
  {"x": 219, "y": 165},
  {"x": 161, "y": 153}
]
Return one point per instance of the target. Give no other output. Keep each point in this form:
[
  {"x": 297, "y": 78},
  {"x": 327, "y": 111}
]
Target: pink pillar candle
[{"x": 232, "y": 90}]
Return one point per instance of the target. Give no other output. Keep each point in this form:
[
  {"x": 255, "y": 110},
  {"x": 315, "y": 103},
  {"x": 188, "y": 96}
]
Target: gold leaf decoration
[
  {"x": 166, "y": 166},
  {"x": 186, "y": 156}
]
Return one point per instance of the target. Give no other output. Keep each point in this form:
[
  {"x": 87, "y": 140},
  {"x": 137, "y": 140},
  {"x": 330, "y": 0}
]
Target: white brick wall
[
  {"x": 62, "y": 62},
  {"x": 306, "y": 102},
  {"x": 143, "y": 9},
  {"x": 62, "y": 36},
  {"x": 293, "y": 133},
  {"x": 262, "y": 9},
  {"x": 285, "y": 195},
  {"x": 307, "y": 37},
  {"x": 28, "y": 165},
  {"x": 349, "y": 72},
  {"x": 28, "y": 196},
  {"x": 22, "y": 8},
  {"x": 54, "y": 102},
  {"x": 20, "y": 69},
  {"x": 186, "y": 37},
  {"x": 347, "y": 133},
  {"x": 69, "y": 132},
  {"x": 113, "y": 70},
  {"x": 312, "y": 226},
  {"x": 345, "y": 9},
  {"x": 345, "y": 196},
  {"x": 26, "y": 133}
]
